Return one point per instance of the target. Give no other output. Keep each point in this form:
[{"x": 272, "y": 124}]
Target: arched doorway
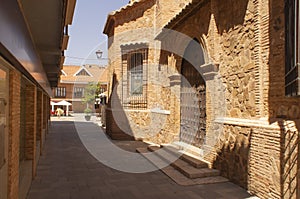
[{"x": 192, "y": 97}]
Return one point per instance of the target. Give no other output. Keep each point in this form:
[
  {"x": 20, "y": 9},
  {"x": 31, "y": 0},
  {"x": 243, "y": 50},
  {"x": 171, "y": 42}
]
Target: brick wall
[{"x": 14, "y": 134}]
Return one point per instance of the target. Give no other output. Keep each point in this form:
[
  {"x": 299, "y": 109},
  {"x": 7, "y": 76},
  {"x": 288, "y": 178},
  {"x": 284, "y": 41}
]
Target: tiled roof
[
  {"x": 104, "y": 77},
  {"x": 71, "y": 71},
  {"x": 129, "y": 5}
]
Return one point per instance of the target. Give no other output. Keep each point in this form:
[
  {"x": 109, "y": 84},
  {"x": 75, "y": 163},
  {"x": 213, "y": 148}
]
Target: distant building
[{"x": 73, "y": 81}]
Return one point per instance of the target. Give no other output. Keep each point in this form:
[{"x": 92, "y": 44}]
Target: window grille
[
  {"x": 78, "y": 92},
  {"x": 60, "y": 92},
  {"x": 134, "y": 78},
  {"x": 292, "y": 48}
]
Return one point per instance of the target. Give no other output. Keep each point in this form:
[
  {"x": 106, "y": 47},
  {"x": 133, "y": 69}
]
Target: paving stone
[{"x": 72, "y": 172}]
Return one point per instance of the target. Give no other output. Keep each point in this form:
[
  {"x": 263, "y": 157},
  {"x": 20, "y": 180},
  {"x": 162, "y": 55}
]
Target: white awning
[
  {"x": 63, "y": 103},
  {"x": 53, "y": 103}
]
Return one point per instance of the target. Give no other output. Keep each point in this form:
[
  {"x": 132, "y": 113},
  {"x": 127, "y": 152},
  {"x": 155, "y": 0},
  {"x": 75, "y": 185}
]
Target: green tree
[{"x": 89, "y": 94}]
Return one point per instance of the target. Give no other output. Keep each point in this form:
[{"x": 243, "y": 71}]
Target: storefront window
[{"x": 3, "y": 104}]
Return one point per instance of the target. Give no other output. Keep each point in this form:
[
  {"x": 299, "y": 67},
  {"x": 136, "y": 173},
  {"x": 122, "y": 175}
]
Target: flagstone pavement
[{"x": 67, "y": 170}]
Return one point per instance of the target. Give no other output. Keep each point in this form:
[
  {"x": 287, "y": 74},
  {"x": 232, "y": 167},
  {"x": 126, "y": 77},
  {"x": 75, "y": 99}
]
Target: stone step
[
  {"x": 164, "y": 154},
  {"x": 181, "y": 179},
  {"x": 192, "y": 172},
  {"x": 154, "y": 159},
  {"x": 175, "y": 174},
  {"x": 183, "y": 166},
  {"x": 192, "y": 161}
]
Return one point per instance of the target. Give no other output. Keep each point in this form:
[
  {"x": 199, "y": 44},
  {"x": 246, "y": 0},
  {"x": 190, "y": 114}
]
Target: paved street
[{"x": 68, "y": 170}]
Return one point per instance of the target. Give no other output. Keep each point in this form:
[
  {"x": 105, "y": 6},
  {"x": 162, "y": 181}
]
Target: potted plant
[{"x": 88, "y": 113}]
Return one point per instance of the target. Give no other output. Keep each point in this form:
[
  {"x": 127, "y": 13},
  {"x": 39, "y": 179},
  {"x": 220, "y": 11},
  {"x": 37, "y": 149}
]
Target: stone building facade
[
  {"x": 250, "y": 126},
  {"x": 258, "y": 144},
  {"x": 131, "y": 32}
]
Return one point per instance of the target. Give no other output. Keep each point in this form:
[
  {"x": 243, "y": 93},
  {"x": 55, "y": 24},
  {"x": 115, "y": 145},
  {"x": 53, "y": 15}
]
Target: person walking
[{"x": 59, "y": 112}]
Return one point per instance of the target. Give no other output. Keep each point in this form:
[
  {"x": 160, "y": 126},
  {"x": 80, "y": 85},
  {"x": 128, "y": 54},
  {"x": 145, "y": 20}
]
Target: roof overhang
[{"x": 48, "y": 22}]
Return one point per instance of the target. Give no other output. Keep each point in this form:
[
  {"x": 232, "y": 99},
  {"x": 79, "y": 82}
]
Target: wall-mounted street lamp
[{"x": 99, "y": 54}]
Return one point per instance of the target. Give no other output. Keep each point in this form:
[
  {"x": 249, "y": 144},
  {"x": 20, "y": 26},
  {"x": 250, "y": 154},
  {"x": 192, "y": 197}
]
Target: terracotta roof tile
[
  {"x": 129, "y": 5},
  {"x": 70, "y": 71},
  {"x": 104, "y": 77}
]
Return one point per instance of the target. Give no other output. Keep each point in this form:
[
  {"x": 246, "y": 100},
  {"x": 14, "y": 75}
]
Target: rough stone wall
[
  {"x": 248, "y": 50},
  {"x": 247, "y": 148},
  {"x": 140, "y": 25},
  {"x": 161, "y": 127},
  {"x": 238, "y": 70},
  {"x": 234, "y": 154}
]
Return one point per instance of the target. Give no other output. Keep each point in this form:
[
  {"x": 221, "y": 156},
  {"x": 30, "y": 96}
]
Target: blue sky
[{"x": 86, "y": 31}]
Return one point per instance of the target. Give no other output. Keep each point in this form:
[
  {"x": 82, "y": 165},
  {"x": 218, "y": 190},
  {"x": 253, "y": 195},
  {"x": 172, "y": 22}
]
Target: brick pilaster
[
  {"x": 31, "y": 116},
  {"x": 45, "y": 113},
  {"x": 14, "y": 134},
  {"x": 39, "y": 109}
]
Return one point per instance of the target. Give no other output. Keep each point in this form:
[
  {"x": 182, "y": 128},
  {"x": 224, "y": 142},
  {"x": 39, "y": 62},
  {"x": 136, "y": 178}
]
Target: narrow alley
[
  {"x": 138, "y": 99},
  {"x": 67, "y": 170}
]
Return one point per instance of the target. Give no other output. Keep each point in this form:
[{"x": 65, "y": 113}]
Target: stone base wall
[
  {"x": 152, "y": 126},
  {"x": 259, "y": 157}
]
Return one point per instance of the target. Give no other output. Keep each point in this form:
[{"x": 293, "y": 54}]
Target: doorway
[{"x": 193, "y": 96}]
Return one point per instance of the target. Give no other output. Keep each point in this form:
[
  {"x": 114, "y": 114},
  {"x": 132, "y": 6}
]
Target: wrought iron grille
[
  {"x": 292, "y": 48},
  {"x": 134, "y": 78}
]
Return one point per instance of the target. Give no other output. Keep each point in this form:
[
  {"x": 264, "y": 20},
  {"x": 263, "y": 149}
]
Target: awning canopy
[
  {"x": 53, "y": 103},
  {"x": 104, "y": 94},
  {"x": 63, "y": 103}
]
